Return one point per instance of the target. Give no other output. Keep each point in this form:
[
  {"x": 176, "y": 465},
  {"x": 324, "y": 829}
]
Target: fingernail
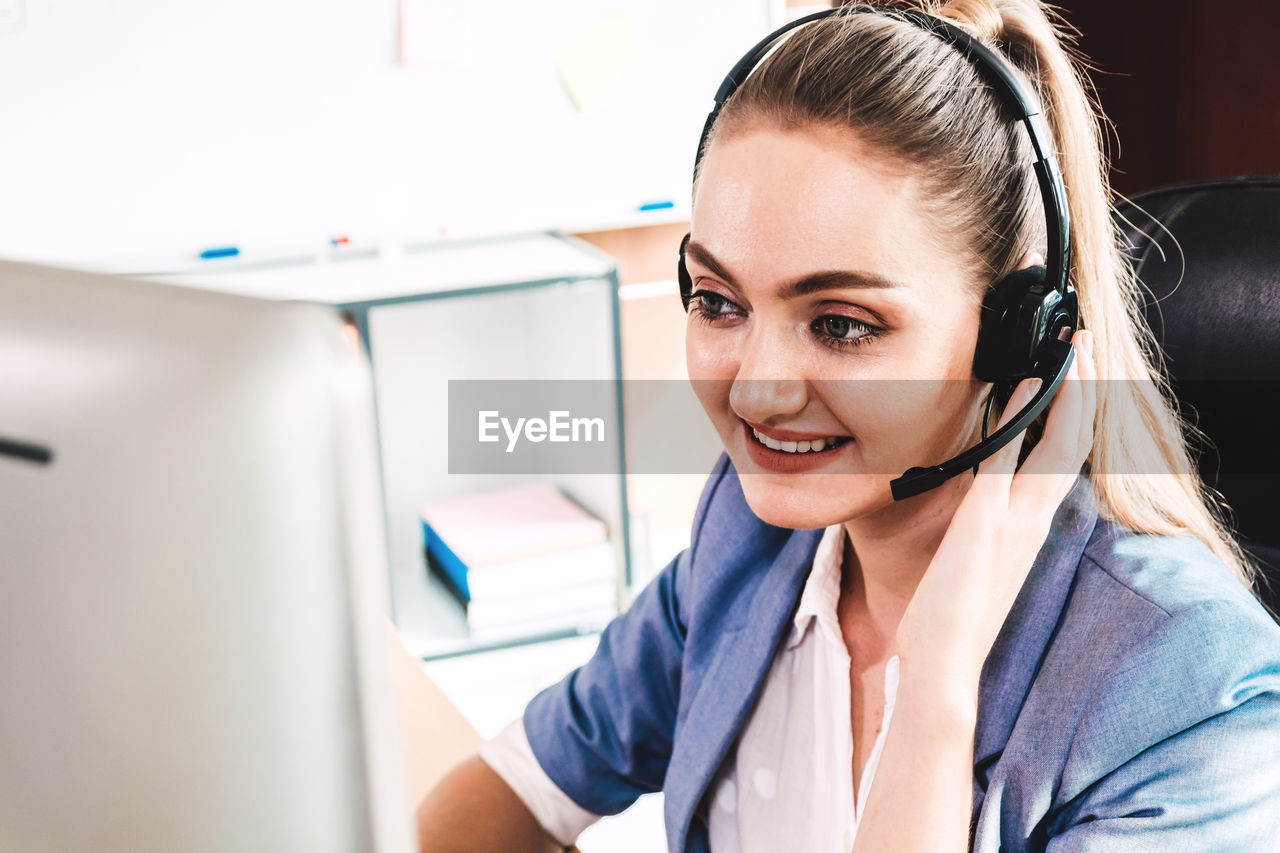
[
  {"x": 1033, "y": 386},
  {"x": 1086, "y": 342}
]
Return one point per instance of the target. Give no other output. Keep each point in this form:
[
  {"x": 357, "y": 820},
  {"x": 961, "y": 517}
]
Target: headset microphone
[{"x": 1029, "y": 316}]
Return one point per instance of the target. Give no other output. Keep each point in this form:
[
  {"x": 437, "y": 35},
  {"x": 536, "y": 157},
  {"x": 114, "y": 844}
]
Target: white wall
[{"x": 144, "y": 126}]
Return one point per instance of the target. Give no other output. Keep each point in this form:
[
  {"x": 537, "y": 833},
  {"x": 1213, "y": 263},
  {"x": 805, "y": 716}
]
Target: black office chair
[{"x": 1214, "y": 304}]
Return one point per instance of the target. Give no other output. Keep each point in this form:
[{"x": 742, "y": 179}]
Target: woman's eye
[
  {"x": 841, "y": 331},
  {"x": 707, "y": 306}
]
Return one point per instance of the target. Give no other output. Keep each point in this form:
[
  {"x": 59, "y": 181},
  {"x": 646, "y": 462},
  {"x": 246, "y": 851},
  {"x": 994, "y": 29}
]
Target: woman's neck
[{"x": 887, "y": 553}]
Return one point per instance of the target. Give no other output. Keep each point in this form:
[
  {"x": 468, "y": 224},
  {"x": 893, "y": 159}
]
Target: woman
[{"x": 1064, "y": 655}]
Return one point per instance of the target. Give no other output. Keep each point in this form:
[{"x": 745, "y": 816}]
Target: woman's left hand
[{"x": 1000, "y": 526}]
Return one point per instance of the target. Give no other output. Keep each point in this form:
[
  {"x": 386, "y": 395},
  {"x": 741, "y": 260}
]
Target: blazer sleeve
[
  {"x": 1180, "y": 747},
  {"x": 604, "y": 733}
]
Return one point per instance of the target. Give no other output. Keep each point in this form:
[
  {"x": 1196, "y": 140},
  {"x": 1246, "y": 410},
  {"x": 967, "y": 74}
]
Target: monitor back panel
[{"x": 190, "y": 582}]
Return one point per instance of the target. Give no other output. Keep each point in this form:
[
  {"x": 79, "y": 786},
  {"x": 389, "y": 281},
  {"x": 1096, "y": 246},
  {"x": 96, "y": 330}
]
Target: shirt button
[{"x": 766, "y": 783}]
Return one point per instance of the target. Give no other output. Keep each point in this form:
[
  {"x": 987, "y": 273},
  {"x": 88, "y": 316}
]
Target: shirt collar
[{"x": 821, "y": 595}]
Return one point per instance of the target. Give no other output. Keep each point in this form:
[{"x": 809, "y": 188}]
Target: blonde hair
[{"x": 911, "y": 95}]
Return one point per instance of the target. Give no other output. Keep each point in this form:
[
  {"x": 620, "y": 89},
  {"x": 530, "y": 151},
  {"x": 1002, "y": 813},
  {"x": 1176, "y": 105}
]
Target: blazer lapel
[
  {"x": 1024, "y": 639},
  {"x": 733, "y": 681}
]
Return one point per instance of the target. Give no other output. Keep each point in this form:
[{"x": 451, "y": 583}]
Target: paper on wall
[{"x": 599, "y": 59}]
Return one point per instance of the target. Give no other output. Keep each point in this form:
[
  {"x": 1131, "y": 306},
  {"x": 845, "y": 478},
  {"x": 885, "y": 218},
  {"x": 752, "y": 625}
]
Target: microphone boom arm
[{"x": 918, "y": 480}]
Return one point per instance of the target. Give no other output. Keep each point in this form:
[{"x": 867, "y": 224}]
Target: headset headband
[{"x": 1020, "y": 103}]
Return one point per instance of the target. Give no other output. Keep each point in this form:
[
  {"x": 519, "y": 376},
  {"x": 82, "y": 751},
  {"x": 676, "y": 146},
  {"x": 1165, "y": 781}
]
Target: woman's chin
[{"x": 807, "y": 503}]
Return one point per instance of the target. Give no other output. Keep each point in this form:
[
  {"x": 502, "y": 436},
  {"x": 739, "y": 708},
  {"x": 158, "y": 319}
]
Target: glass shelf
[{"x": 533, "y": 307}]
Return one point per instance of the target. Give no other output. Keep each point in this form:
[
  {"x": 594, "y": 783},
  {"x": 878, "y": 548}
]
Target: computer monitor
[{"x": 193, "y": 604}]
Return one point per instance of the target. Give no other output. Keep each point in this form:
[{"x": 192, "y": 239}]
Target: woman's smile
[{"x": 792, "y": 456}]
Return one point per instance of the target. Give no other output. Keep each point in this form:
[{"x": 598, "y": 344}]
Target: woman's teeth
[{"x": 813, "y": 445}]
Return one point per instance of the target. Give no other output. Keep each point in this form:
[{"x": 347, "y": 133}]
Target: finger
[
  {"x": 996, "y": 471},
  {"x": 1053, "y": 464}
]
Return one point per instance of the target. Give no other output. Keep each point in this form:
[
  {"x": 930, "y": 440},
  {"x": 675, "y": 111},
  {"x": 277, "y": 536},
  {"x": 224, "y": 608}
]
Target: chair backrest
[{"x": 1208, "y": 253}]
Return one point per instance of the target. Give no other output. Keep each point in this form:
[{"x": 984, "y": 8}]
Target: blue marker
[
  {"x": 657, "y": 205},
  {"x": 222, "y": 252}
]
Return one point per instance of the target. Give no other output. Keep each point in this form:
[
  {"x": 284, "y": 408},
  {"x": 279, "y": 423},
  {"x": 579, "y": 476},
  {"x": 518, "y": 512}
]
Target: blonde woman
[{"x": 1055, "y": 653}]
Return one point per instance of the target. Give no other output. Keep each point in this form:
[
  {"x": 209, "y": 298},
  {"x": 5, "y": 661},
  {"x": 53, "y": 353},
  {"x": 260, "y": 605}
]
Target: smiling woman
[{"x": 1058, "y": 651}]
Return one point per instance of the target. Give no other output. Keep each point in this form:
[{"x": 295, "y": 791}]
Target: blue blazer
[{"x": 1130, "y": 703}]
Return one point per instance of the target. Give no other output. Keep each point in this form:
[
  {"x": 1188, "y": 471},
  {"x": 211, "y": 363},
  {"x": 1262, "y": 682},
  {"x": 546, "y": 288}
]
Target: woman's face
[{"x": 821, "y": 302}]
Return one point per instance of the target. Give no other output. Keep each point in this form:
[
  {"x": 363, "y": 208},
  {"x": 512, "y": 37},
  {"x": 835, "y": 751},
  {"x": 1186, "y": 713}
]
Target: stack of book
[{"x": 521, "y": 558}]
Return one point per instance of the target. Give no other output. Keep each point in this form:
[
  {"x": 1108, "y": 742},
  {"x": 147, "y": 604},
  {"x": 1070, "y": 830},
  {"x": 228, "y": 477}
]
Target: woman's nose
[{"x": 769, "y": 381}]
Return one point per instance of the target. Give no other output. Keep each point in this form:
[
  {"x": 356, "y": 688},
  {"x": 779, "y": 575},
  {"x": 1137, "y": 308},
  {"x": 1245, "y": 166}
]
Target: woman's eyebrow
[{"x": 803, "y": 286}]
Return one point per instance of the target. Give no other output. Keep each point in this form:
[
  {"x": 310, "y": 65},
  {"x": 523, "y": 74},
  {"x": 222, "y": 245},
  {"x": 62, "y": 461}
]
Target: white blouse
[{"x": 789, "y": 785}]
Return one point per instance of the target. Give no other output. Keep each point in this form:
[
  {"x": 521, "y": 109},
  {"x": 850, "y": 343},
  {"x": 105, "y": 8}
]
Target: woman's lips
[
  {"x": 789, "y": 462},
  {"x": 786, "y": 434}
]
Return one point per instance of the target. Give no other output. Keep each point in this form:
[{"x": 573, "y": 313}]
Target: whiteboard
[{"x": 149, "y": 126}]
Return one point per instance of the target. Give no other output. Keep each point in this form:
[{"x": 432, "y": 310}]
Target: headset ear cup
[
  {"x": 682, "y": 276},
  {"x": 1005, "y": 348}
]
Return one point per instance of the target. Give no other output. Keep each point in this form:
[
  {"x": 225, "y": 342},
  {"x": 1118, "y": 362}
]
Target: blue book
[
  {"x": 501, "y": 527},
  {"x": 448, "y": 565}
]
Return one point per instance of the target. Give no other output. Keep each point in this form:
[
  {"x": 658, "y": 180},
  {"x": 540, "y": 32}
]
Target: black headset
[{"x": 1029, "y": 315}]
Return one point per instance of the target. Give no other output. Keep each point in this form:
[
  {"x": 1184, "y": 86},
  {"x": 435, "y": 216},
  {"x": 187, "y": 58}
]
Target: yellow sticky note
[{"x": 599, "y": 59}]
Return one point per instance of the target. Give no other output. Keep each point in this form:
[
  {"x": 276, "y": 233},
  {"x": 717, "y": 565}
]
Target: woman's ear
[{"x": 1031, "y": 259}]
